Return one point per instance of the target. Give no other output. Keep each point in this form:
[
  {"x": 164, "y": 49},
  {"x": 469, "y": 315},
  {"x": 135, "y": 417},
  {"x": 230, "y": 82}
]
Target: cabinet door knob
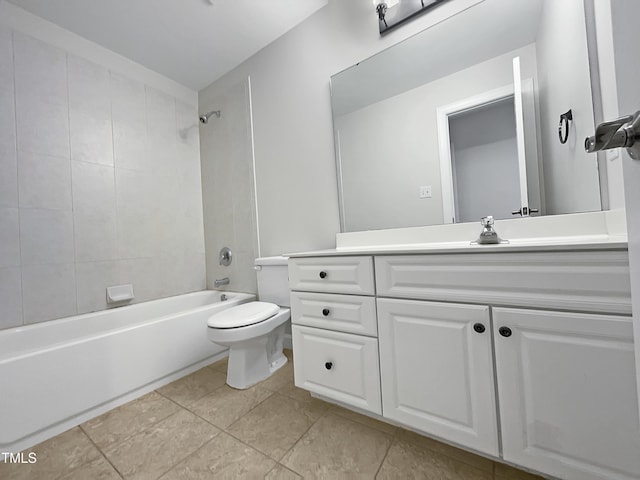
[
  {"x": 478, "y": 327},
  {"x": 326, "y": 312},
  {"x": 505, "y": 331},
  {"x": 328, "y": 365},
  {"x": 323, "y": 274}
]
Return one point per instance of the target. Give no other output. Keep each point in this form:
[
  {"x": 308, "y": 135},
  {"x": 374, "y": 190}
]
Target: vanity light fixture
[
  {"x": 392, "y": 13},
  {"x": 381, "y": 9}
]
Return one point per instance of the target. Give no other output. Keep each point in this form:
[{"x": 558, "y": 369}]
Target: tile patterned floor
[{"x": 199, "y": 428}]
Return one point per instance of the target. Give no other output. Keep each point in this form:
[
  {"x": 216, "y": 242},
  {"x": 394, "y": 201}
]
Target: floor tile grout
[
  {"x": 384, "y": 457},
  {"x": 104, "y": 455}
]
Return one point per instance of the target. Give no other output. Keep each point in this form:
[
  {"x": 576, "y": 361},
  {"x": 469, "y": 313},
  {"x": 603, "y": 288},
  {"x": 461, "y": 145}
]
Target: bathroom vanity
[{"x": 521, "y": 352}]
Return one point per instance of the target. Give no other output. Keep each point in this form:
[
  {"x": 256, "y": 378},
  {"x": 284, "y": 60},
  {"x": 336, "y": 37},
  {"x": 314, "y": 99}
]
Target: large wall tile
[
  {"x": 99, "y": 178},
  {"x": 135, "y": 213},
  {"x": 44, "y": 181},
  {"x": 46, "y": 236},
  {"x": 90, "y": 112},
  {"x": 94, "y": 212},
  {"x": 8, "y": 165},
  {"x": 42, "y": 107},
  {"x": 49, "y": 292},
  {"x": 10, "y": 297},
  {"x": 129, "y": 123},
  {"x": 161, "y": 133},
  {"x": 9, "y": 237}
]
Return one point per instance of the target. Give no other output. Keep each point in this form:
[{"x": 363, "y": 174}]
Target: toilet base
[{"x": 252, "y": 361}]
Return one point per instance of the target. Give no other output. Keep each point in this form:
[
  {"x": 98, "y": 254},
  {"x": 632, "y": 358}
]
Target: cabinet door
[
  {"x": 567, "y": 394},
  {"x": 338, "y": 365},
  {"x": 436, "y": 364}
]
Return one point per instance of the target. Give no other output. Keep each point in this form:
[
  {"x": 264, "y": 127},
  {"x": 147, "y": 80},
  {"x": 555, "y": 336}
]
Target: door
[
  {"x": 626, "y": 36},
  {"x": 436, "y": 367},
  {"x": 488, "y": 160},
  {"x": 566, "y": 389}
]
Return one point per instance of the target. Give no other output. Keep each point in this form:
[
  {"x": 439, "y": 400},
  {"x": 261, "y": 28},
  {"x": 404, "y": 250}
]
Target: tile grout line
[
  {"x": 222, "y": 430},
  {"x": 128, "y": 436},
  {"x": 101, "y": 452},
  {"x": 384, "y": 457},
  {"x": 298, "y": 441}
]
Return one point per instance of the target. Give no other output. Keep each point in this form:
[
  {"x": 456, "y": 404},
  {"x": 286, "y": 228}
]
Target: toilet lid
[{"x": 243, "y": 315}]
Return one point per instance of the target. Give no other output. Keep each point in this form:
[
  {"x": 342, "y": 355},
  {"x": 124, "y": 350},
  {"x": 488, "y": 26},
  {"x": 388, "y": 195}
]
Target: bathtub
[{"x": 58, "y": 374}]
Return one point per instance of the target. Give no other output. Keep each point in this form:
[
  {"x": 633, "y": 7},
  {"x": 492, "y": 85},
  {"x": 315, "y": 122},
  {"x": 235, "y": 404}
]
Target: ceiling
[{"x": 193, "y": 42}]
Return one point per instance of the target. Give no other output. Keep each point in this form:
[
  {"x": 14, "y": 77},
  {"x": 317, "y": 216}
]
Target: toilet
[{"x": 254, "y": 331}]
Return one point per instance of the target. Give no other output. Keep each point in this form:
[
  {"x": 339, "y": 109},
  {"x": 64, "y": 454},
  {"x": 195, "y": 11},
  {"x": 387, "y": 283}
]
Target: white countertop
[{"x": 589, "y": 231}]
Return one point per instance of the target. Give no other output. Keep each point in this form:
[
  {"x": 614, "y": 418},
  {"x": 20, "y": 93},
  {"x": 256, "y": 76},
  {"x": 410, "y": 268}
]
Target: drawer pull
[
  {"x": 478, "y": 327},
  {"x": 323, "y": 274},
  {"x": 505, "y": 331},
  {"x": 328, "y": 365},
  {"x": 326, "y": 312}
]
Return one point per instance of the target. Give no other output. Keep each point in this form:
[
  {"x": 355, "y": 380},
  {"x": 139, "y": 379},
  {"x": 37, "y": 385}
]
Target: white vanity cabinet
[
  {"x": 334, "y": 329},
  {"x": 436, "y": 364},
  {"x": 525, "y": 356},
  {"x": 566, "y": 385}
]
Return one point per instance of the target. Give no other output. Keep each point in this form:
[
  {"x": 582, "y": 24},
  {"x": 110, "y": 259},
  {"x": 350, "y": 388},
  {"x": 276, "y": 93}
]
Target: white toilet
[{"x": 254, "y": 331}]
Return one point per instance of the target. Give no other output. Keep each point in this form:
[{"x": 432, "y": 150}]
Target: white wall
[
  {"x": 100, "y": 181},
  {"x": 566, "y": 166},
  {"x": 293, "y": 135},
  {"x": 228, "y": 189},
  {"x": 399, "y": 135}
]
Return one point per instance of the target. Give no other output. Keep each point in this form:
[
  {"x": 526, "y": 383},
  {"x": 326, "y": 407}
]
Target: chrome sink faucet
[{"x": 488, "y": 236}]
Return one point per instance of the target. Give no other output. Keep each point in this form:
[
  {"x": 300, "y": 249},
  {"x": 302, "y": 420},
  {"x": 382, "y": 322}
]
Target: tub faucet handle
[{"x": 225, "y": 256}]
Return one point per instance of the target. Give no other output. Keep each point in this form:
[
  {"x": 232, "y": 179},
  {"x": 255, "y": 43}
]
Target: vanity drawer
[
  {"x": 337, "y": 365},
  {"x": 592, "y": 281},
  {"x": 344, "y": 313},
  {"x": 351, "y": 275}
]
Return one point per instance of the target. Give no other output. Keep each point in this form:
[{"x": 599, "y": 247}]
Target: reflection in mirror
[{"x": 461, "y": 120}]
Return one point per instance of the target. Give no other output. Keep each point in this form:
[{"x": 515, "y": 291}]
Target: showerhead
[{"x": 204, "y": 119}]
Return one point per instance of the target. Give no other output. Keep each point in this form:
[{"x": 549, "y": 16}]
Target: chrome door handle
[{"x": 622, "y": 132}]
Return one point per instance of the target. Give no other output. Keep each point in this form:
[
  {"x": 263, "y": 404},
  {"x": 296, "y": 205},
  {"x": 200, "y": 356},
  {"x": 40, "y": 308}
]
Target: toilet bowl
[{"x": 254, "y": 331}]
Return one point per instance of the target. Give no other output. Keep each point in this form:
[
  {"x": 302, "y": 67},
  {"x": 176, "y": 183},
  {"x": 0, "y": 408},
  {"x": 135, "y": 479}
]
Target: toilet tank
[{"x": 273, "y": 280}]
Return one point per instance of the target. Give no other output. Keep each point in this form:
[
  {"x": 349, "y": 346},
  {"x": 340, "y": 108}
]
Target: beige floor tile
[
  {"x": 281, "y": 378},
  {"x": 99, "y": 469},
  {"x": 276, "y": 424},
  {"x": 505, "y": 472},
  {"x": 225, "y": 405},
  {"x": 337, "y": 447},
  {"x": 193, "y": 387},
  {"x": 409, "y": 461},
  {"x": 224, "y": 457},
  {"x": 281, "y": 473},
  {"x": 363, "y": 419},
  {"x": 54, "y": 458},
  {"x": 120, "y": 423},
  {"x": 149, "y": 454},
  {"x": 458, "y": 454},
  {"x": 220, "y": 365}
]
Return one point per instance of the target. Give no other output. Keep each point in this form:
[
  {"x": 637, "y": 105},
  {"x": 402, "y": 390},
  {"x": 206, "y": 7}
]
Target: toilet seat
[{"x": 243, "y": 315}]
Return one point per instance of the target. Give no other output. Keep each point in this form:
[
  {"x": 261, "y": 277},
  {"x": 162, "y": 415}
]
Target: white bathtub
[{"x": 58, "y": 374}]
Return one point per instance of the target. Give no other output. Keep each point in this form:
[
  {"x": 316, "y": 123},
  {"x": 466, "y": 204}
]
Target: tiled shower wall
[
  {"x": 230, "y": 217},
  {"x": 99, "y": 185}
]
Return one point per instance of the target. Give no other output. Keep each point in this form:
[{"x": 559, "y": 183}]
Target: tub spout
[{"x": 221, "y": 281}]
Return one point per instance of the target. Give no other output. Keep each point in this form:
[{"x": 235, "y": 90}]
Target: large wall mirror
[{"x": 461, "y": 120}]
